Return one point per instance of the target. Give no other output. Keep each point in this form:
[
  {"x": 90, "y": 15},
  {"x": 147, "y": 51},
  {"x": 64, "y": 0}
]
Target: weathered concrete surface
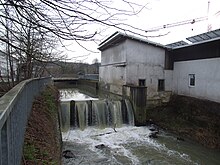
[
  {"x": 112, "y": 78},
  {"x": 190, "y": 117}
]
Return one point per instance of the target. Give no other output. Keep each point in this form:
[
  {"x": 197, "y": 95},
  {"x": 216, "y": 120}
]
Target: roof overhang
[
  {"x": 119, "y": 37},
  {"x": 197, "y": 43}
]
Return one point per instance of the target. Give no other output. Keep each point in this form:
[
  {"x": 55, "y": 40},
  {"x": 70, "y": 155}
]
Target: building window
[
  {"x": 192, "y": 80},
  {"x": 161, "y": 85},
  {"x": 142, "y": 82}
]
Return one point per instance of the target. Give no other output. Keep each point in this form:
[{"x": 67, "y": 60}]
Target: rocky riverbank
[
  {"x": 190, "y": 118},
  {"x": 42, "y": 138}
]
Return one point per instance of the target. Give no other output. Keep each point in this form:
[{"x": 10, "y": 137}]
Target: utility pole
[{"x": 209, "y": 26}]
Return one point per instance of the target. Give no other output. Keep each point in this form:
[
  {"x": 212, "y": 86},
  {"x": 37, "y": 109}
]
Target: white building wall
[
  {"x": 114, "y": 55},
  {"x": 4, "y": 68},
  {"x": 145, "y": 61},
  {"x": 112, "y": 78},
  {"x": 111, "y": 73},
  {"x": 168, "y": 80},
  {"x": 3, "y": 65},
  {"x": 131, "y": 60},
  {"x": 207, "y": 78}
]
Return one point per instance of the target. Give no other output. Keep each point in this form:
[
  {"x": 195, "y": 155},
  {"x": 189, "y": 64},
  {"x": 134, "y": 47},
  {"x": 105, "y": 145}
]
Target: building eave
[
  {"x": 197, "y": 43},
  {"x": 112, "y": 40},
  {"x": 119, "y": 37}
]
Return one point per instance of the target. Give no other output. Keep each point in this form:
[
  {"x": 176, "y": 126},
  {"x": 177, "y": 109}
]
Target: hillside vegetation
[
  {"x": 42, "y": 138},
  {"x": 190, "y": 117}
]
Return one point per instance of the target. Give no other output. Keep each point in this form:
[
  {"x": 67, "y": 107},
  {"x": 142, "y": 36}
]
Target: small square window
[
  {"x": 192, "y": 80},
  {"x": 161, "y": 85},
  {"x": 141, "y": 82}
]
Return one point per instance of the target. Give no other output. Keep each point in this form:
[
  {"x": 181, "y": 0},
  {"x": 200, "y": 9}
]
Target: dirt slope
[{"x": 42, "y": 138}]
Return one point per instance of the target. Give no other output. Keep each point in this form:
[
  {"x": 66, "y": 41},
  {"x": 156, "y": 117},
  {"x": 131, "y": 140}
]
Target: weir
[
  {"x": 97, "y": 113},
  {"x": 128, "y": 144}
]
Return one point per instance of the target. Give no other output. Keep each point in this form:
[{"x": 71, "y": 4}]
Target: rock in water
[
  {"x": 154, "y": 127},
  {"x": 180, "y": 139},
  {"x": 100, "y": 146},
  {"x": 68, "y": 154},
  {"x": 153, "y": 134}
]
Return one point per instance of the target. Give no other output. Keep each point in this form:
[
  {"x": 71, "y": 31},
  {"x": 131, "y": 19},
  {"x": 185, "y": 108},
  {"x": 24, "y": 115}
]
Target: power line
[{"x": 165, "y": 26}]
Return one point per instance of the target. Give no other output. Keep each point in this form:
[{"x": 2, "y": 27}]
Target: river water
[{"x": 125, "y": 144}]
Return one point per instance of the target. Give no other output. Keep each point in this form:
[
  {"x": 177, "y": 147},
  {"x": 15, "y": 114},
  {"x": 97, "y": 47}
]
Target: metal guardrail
[{"x": 15, "y": 107}]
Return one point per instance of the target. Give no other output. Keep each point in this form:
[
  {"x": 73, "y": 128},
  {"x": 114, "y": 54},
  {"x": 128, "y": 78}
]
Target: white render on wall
[
  {"x": 144, "y": 61},
  {"x": 3, "y": 64},
  {"x": 111, "y": 73},
  {"x": 4, "y": 67},
  {"x": 168, "y": 80},
  {"x": 129, "y": 61},
  {"x": 112, "y": 77},
  {"x": 207, "y": 78},
  {"x": 114, "y": 55}
]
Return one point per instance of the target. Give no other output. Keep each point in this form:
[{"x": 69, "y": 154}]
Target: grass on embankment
[{"x": 42, "y": 138}]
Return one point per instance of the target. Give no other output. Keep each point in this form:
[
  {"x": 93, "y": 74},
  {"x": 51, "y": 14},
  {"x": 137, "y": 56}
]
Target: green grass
[
  {"x": 29, "y": 152},
  {"x": 48, "y": 96}
]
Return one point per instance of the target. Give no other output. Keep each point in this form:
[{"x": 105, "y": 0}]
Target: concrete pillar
[
  {"x": 90, "y": 114},
  {"x": 72, "y": 114},
  {"x": 124, "y": 112}
]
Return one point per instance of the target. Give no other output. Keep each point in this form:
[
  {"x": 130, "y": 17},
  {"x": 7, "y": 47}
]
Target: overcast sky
[{"x": 159, "y": 13}]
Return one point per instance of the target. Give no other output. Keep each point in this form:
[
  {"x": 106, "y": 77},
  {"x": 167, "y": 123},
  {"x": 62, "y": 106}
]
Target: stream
[{"x": 108, "y": 136}]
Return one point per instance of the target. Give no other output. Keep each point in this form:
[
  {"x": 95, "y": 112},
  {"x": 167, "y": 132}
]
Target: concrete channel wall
[{"x": 15, "y": 107}]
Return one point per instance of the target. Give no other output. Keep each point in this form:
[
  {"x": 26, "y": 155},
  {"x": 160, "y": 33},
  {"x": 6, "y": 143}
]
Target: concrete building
[
  {"x": 3, "y": 64},
  {"x": 4, "y": 67},
  {"x": 131, "y": 61},
  {"x": 196, "y": 68},
  {"x": 180, "y": 68}
]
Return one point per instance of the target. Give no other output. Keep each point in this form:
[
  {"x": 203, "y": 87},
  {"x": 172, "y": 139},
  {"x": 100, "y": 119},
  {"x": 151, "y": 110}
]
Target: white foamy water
[
  {"x": 70, "y": 94},
  {"x": 129, "y": 145}
]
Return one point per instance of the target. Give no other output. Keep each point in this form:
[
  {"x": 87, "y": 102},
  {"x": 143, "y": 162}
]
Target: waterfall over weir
[
  {"x": 82, "y": 117},
  {"x": 99, "y": 113}
]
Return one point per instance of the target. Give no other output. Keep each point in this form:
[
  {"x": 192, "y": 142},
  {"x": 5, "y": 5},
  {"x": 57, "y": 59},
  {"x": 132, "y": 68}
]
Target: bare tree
[
  {"x": 30, "y": 27},
  {"x": 26, "y": 43},
  {"x": 95, "y": 61},
  {"x": 69, "y": 19}
]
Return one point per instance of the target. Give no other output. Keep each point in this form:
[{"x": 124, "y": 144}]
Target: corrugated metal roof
[
  {"x": 204, "y": 36},
  {"x": 176, "y": 44}
]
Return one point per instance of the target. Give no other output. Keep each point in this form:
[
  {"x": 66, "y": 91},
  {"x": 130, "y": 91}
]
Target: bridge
[
  {"x": 94, "y": 77},
  {"x": 60, "y": 79},
  {"x": 87, "y": 80},
  {"x": 15, "y": 108}
]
